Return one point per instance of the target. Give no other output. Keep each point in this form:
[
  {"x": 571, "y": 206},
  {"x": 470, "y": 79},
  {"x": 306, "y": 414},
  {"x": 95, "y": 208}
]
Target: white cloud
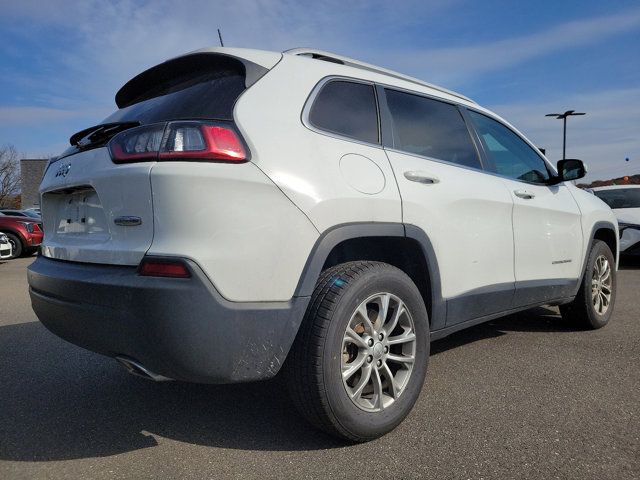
[
  {"x": 24, "y": 116},
  {"x": 121, "y": 38},
  {"x": 454, "y": 65},
  {"x": 116, "y": 40}
]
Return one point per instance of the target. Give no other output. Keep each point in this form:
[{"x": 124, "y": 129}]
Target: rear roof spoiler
[{"x": 141, "y": 86}]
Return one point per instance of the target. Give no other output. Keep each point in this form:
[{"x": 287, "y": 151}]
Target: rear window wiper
[{"x": 98, "y": 133}]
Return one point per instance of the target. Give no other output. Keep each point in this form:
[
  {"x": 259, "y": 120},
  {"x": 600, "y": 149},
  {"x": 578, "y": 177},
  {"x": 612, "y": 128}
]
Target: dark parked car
[{"x": 24, "y": 233}]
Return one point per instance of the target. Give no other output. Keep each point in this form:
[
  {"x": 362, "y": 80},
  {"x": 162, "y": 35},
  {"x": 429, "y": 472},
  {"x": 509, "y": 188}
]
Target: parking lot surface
[{"x": 521, "y": 397}]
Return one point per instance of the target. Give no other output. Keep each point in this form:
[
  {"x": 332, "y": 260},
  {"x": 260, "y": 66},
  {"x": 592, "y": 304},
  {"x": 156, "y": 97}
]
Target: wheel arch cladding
[
  {"x": 607, "y": 234},
  {"x": 16, "y": 234},
  {"x": 406, "y": 247}
]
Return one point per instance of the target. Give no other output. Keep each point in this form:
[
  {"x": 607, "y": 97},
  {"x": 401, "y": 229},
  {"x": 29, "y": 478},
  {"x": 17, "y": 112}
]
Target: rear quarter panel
[
  {"x": 249, "y": 239},
  {"x": 306, "y": 165}
]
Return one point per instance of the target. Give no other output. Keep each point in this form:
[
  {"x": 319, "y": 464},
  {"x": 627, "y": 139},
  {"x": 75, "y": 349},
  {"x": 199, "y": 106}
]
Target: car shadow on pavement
[
  {"x": 629, "y": 263},
  {"x": 541, "y": 319},
  {"x": 59, "y": 402}
]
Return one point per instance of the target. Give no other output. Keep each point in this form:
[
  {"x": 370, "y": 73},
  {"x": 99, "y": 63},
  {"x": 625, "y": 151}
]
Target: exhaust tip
[{"x": 137, "y": 369}]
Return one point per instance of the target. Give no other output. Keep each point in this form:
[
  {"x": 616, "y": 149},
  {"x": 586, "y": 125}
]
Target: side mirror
[{"x": 570, "y": 169}]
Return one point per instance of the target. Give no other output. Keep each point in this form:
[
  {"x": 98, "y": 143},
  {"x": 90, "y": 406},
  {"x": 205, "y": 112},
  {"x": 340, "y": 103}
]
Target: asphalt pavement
[{"x": 522, "y": 397}]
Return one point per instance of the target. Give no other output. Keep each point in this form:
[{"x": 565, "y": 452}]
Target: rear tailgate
[
  {"x": 82, "y": 197},
  {"x": 99, "y": 210}
]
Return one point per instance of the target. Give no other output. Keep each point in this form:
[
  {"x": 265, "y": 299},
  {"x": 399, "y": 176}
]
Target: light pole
[{"x": 563, "y": 116}]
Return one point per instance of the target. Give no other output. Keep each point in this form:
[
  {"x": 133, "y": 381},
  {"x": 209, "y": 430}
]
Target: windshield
[
  {"x": 31, "y": 214},
  {"x": 620, "y": 197}
]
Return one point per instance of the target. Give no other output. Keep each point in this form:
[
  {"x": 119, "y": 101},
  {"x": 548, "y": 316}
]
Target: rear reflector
[
  {"x": 163, "y": 268},
  {"x": 178, "y": 141}
]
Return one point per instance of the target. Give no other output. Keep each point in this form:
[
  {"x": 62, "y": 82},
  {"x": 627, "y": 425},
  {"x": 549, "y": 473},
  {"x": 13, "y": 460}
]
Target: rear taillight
[
  {"x": 178, "y": 141},
  {"x": 150, "y": 267},
  {"x": 137, "y": 144},
  {"x": 28, "y": 226}
]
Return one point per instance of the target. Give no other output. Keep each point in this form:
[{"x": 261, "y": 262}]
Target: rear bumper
[
  {"x": 35, "y": 240},
  {"x": 178, "y": 328}
]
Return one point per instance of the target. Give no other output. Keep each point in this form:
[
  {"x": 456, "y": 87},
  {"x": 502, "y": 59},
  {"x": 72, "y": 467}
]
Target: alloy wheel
[
  {"x": 378, "y": 352},
  {"x": 14, "y": 247},
  {"x": 601, "y": 281}
]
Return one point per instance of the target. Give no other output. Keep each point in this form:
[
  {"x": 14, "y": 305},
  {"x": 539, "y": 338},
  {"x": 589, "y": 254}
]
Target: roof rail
[{"x": 332, "y": 57}]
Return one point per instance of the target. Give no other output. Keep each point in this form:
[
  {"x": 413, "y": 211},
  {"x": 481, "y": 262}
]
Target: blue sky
[{"x": 61, "y": 62}]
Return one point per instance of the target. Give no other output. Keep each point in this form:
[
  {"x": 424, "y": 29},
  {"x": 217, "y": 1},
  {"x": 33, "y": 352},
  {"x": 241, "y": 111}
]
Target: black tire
[
  {"x": 313, "y": 368},
  {"x": 581, "y": 311},
  {"x": 16, "y": 244}
]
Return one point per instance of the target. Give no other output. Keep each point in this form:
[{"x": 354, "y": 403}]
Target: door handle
[
  {"x": 421, "y": 177},
  {"x": 524, "y": 194}
]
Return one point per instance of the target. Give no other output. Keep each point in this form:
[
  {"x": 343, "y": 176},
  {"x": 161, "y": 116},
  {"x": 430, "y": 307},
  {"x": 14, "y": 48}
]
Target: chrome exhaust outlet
[{"x": 135, "y": 368}]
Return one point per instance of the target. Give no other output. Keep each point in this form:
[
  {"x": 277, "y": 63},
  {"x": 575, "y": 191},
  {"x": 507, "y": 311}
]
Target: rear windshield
[
  {"x": 620, "y": 197},
  {"x": 200, "y": 86}
]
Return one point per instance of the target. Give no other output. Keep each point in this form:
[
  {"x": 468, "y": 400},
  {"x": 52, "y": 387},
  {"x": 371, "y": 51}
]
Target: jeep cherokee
[{"x": 340, "y": 216}]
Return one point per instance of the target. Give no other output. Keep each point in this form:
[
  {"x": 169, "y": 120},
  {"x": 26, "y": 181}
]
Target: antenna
[{"x": 220, "y": 37}]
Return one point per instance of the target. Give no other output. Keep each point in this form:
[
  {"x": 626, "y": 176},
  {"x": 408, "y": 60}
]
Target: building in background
[{"x": 31, "y": 172}]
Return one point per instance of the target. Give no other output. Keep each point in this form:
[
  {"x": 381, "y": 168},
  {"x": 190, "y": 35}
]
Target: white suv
[
  {"x": 624, "y": 201},
  {"x": 245, "y": 212}
]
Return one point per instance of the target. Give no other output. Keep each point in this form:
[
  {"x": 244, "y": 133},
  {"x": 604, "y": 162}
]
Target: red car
[{"x": 25, "y": 234}]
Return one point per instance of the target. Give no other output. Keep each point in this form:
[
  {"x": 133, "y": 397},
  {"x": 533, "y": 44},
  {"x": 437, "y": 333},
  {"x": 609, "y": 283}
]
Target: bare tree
[{"x": 9, "y": 175}]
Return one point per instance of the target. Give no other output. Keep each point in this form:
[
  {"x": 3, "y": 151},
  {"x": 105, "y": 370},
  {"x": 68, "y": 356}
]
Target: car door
[
  {"x": 546, "y": 219},
  {"x": 465, "y": 212}
]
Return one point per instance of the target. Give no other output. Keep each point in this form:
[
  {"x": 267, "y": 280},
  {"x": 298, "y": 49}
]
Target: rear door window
[
  {"x": 430, "y": 128},
  {"x": 348, "y": 109}
]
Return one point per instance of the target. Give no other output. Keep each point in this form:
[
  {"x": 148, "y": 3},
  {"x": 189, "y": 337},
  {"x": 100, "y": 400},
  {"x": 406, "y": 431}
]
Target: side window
[
  {"x": 510, "y": 155},
  {"x": 430, "y": 128},
  {"x": 346, "y": 108}
]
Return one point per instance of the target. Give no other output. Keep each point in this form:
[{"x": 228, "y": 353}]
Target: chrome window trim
[
  {"x": 471, "y": 125},
  {"x": 420, "y": 94},
  {"x": 437, "y": 160},
  {"x": 483, "y": 171},
  {"x": 479, "y": 154},
  {"x": 380, "y": 145}
]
